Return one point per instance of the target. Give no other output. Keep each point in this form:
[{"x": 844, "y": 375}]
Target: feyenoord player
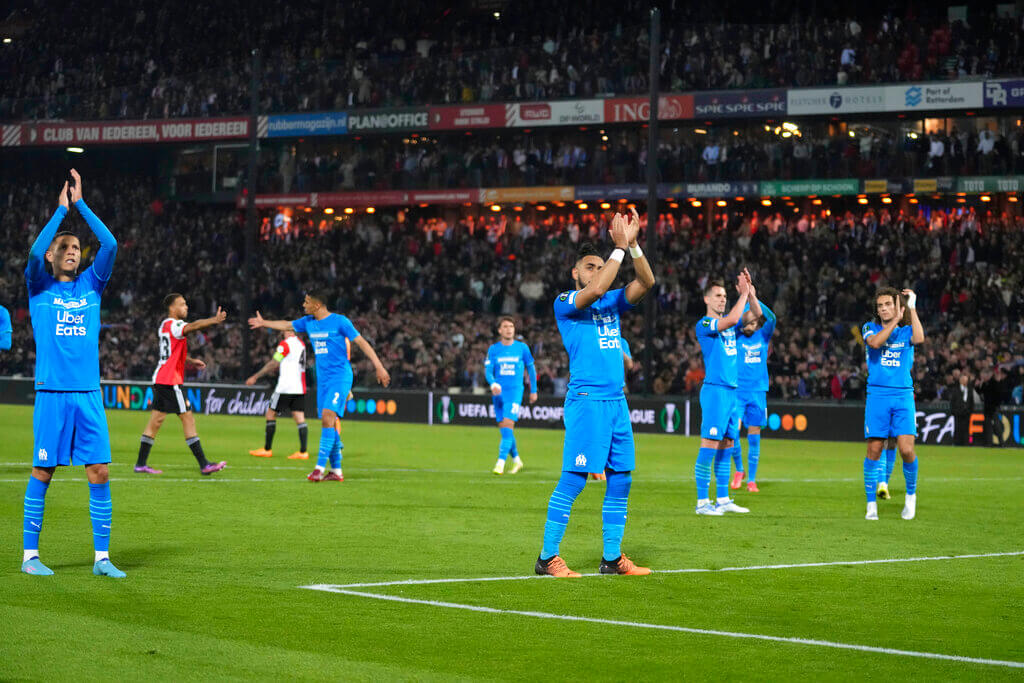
[
  {"x": 290, "y": 393},
  {"x": 167, "y": 380}
]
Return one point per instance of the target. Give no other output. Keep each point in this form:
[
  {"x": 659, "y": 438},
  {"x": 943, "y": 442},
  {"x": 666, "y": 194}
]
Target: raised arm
[
  {"x": 203, "y": 323},
  {"x": 743, "y": 287},
  {"x": 602, "y": 282},
  {"x": 917, "y": 329},
  {"x": 382, "y": 375},
  {"x": 36, "y": 267},
  {"x": 257, "y": 322},
  {"x": 644, "y": 280},
  {"x": 755, "y": 304},
  {"x": 103, "y": 264}
]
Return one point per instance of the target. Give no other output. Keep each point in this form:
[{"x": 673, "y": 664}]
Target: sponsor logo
[
  {"x": 70, "y": 324},
  {"x": 371, "y": 406},
  {"x": 996, "y": 94},
  {"x": 835, "y": 100},
  {"x": 388, "y": 120},
  {"x": 670, "y": 418},
  {"x": 445, "y": 410},
  {"x": 787, "y": 422},
  {"x": 912, "y": 96},
  {"x": 563, "y": 296}
]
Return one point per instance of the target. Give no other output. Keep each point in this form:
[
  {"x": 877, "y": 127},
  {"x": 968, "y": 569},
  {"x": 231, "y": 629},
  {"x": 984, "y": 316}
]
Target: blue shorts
[
  {"x": 598, "y": 436},
  {"x": 889, "y": 412},
  {"x": 752, "y": 408},
  {"x": 718, "y": 412},
  {"x": 507, "y": 404},
  {"x": 70, "y": 428},
  {"x": 332, "y": 394}
]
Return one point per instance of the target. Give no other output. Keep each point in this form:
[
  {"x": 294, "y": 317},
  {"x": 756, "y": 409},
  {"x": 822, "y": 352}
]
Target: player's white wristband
[
  {"x": 912, "y": 301},
  {"x": 617, "y": 255},
  {"x": 495, "y": 385},
  {"x": 636, "y": 252}
]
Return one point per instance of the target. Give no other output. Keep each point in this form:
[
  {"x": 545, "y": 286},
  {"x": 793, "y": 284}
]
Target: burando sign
[{"x": 882, "y": 98}]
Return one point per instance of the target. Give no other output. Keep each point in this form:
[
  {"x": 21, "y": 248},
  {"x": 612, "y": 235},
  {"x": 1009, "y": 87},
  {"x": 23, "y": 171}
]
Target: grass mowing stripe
[{"x": 685, "y": 629}]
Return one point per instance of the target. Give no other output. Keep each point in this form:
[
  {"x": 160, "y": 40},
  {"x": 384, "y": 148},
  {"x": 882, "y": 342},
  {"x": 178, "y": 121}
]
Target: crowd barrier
[{"x": 819, "y": 421}]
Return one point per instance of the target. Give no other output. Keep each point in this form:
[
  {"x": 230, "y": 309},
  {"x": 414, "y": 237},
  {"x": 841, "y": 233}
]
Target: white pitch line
[
  {"x": 422, "y": 582},
  {"x": 684, "y": 629}
]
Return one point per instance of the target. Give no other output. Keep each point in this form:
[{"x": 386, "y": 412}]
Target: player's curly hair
[{"x": 897, "y": 297}]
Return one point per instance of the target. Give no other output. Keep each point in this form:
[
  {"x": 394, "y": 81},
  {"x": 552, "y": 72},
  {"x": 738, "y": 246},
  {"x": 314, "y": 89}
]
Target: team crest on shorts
[
  {"x": 581, "y": 460},
  {"x": 713, "y": 431},
  {"x": 42, "y": 454}
]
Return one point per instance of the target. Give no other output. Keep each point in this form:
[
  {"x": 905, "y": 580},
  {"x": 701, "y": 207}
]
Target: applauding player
[
  {"x": 889, "y": 409},
  {"x": 598, "y": 431},
  {"x": 68, "y": 421}
]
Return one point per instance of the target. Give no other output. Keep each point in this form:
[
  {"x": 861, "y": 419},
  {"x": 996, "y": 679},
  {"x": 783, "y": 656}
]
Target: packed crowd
[
  {"x": 427, "y": 292},
  {"x": 145, "y": 59},
  {"x": 574, "y": 158}
]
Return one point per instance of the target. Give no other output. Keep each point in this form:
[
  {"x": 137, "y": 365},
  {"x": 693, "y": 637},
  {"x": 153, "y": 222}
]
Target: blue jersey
[
  {"x": 5, "y": 329},
  {"x": 328, "y": 338},
  {"x": 719, "y": 349},
  {"x": 890, "y": 366},
  {"x": 66, "y": 315},
  {"x": 752, "y": 371},
  {"x": 591, "y": 338},
  {"x": 505, "y": 365}
]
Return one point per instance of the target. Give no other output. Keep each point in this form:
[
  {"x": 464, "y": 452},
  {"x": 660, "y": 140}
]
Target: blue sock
[
  {"x": 35, "y": 495},
  {"x": 753, "y": 455},
  {"x": 722, "y": 473},
  {"x": 327, "y": 437},
  {"x": 564, "y": 495},
  {"x": 737, "y": 456},
  {"x": 100, "y": 512},
  {"x": 613, "y": 513},
  {"x": 910, "y": 475},
  {"x": 870, "y": 479},
  {"x": 890, "y": 461},
  {"x": 336, "y": 451},
  {"x": 702, "y": 471},
  {"x": 515, "y": 447},
  {"x": 506, "y": 443}
]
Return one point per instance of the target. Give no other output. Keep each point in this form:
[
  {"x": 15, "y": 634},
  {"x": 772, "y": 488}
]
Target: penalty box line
[{"x": 347, "y": 589}]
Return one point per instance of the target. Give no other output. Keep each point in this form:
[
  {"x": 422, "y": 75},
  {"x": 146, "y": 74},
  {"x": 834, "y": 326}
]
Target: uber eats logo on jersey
[{"x": 670, "y": 418}]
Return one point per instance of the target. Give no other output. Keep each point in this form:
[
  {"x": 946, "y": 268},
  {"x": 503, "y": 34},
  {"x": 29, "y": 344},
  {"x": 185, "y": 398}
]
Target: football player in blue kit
[
  {"x": 506, "y": 361},
  {"x": 68, "y": 420},
  {"x": 889, "y": 409},
  {"x": 752, "y": 389},
  {"x": 598, "y": 431}
]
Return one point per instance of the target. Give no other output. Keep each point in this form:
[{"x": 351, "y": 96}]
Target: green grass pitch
[{"x": 216, "y": 565}]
